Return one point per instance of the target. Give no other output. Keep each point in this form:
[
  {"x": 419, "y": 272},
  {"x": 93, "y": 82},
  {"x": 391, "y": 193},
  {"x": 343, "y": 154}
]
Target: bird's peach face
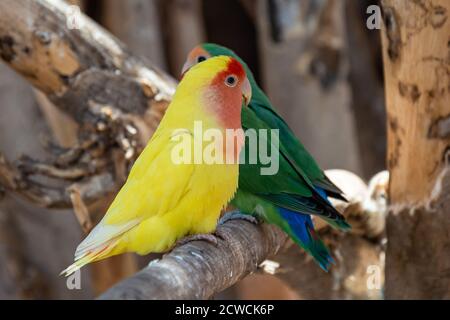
[
  {"x": 197, "y": 55},
  {"x": 237, "y": 83}
]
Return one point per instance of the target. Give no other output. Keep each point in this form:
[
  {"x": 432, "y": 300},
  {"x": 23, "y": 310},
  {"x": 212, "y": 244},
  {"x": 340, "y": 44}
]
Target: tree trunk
[
  {"x": 184, "y": 24},
  {"x": 366, "y": 81},
  {"x": 137, "y": 24},
  {"x": 416, "y": 52}
]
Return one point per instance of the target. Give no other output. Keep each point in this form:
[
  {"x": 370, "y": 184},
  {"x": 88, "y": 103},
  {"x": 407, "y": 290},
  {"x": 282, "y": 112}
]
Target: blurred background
[{"x": 319, "y": 63}]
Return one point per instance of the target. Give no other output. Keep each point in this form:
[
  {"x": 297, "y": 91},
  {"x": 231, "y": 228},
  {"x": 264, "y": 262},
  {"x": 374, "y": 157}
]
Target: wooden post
[{"x": 416, "y": 53}]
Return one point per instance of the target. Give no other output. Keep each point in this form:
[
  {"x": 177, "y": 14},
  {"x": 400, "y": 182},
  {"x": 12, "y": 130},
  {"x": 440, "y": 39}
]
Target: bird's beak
[
  {"x": 247, "y": 91},
  {"x": 186, "y": 66}
]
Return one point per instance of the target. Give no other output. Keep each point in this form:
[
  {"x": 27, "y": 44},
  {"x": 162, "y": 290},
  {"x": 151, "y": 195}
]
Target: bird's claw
[
  {"x": 236, "y": 214},
  {"x": 211, "y": 238}
]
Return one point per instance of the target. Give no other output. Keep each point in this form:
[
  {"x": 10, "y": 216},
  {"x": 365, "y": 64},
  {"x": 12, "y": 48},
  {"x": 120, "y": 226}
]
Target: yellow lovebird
[{"x": 174, "y": 189}]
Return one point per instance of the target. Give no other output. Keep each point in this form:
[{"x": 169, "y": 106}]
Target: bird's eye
[
  {"x": 201, "y": 59},
  {"x": 231, "y": 80}
]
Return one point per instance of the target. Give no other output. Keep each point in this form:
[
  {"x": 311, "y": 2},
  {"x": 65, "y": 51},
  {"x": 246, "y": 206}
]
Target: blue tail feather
[
  {"x": 323, "y": 194},
  {"x": 302, "y": 230}
]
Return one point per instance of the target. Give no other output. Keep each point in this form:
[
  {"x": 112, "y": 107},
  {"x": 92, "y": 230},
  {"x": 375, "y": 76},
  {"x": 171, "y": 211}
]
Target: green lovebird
[{"x": 297, "y": 190}]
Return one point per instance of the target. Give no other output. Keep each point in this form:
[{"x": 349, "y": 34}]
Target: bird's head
[{"x": 206, "y": 51}]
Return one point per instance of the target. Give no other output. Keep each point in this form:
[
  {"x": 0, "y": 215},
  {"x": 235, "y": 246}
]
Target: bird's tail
[
  {"x": 302, "y": 232},
  {"x": 338, "y": 222},
  {"x": 92, "y": 255}
]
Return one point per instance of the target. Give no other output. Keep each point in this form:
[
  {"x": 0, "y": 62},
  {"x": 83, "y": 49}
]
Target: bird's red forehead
[
  {"x": 236, "y": 68},
  {"x": 233, "y": 67}
]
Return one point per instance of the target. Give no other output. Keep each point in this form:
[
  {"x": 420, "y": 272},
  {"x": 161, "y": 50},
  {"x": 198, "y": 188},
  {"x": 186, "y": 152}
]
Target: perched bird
[
  {"x": 299, "y": 188},
  {"x": 164, "y": 200}
]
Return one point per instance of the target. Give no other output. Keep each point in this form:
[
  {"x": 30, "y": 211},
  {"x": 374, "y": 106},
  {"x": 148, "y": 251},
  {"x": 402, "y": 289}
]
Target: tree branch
[
  {"x": 90, "y": 189},
  {"x": 198, "y": 270},
  {"x": 75, "y": 66},
  {"x": 115, "y": 99}
]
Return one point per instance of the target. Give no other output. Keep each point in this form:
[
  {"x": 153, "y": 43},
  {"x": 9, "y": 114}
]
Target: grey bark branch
[
  {"x": 198, "y": 270},
  {"x": 75, "y": 66},
  {"x": 91, "y": 188}
]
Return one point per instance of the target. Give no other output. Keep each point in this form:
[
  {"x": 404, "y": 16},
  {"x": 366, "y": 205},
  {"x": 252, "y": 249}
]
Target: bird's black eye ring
[
  {"x": 201, "y": 59},
  {"x": 231, "y": 81}
]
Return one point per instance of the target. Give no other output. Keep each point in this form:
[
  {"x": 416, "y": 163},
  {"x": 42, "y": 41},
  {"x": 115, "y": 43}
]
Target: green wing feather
[{"x": 289, "y": 187}]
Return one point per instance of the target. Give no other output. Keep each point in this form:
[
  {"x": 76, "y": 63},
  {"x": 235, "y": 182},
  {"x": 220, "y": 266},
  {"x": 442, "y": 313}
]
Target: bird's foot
[
  {"x": 211, "y": 238},
  {"x": 236, "y": 214}
]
